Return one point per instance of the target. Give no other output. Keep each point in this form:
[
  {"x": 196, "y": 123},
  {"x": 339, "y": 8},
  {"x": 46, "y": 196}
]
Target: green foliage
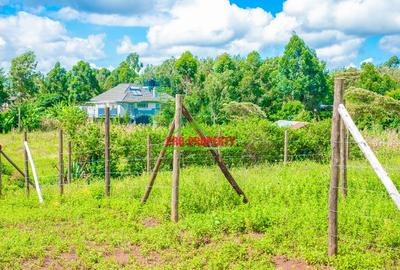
[
  {"x": 126, "y": 72},
  {"x": 393, "y": 62},
  {"x": 3, "y": 93},
  {"x": 369, "y": 109},
  {"x": 234, "y": 110},
  {"x": 70, "y": 118},
  {"x": 22, "y": 74},
  {"x": 301, "y": 76},
  {"x": 256, "y": 140},
  {"x": 82, "y": 83},
  {"x": 373, "y": 80},
  {"x": 56, "y": 81},
  {"x": 293, "y": 110}
]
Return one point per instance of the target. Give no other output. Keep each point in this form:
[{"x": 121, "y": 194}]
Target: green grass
[{"x": 286, "y": 216}]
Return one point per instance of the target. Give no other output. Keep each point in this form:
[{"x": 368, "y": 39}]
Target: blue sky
[{"x": 343, "y": 33}]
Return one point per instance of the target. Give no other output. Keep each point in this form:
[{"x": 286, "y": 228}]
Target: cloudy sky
[{"x": 343, "y": 32}]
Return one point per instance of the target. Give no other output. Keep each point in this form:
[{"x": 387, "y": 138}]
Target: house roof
[
  {"x": 291, "y": 124},
  {"x": 129, "y": 93}
]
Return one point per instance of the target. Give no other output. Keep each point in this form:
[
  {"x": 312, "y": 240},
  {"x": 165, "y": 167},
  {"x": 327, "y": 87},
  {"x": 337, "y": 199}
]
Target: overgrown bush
[{"x": 255, "y": 141}]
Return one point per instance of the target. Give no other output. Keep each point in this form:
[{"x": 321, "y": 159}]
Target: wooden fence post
[
  {"x": 335, "y": 163},
  {"x": 69, "y": 169},
  {"x": 285, "y": 148},
  {"x": 176, "y": 159},
  {"x": 148, "y": 164},
  {"x": 26, "y": 166},
  {"x": 107, "y": 150},
  {"x": 61, "y": 161}
]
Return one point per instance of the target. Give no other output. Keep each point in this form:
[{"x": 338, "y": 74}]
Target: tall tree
[
  {"x": 126, "y": 72},
  {"x": 373, "y": 80},
  {"x": 82, "y": 83},
  {"x": 301, "y": 75},
  {"x": 101, "y": 75},
  {"x": 3, "y": 93},
  {"x": 56, "y": 81},
  {"x": 22, "y": 74},
  {"x": 186, "y": 65}
]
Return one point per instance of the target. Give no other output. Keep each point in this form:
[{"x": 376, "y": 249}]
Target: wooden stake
[
  {"x": 214, "y": 153},
  {"x": 107, "y": 150},
  {"x": 26, "y": 166},
  {"x": 335, "y": 163},
  {"x": 176, "y": 160},
  {"x": 285, "y": 148},
  {"x": 158, "y": 163},
  {"x": 69, "y": 160},
  {"x": 61, "y": 161},
  {"x": 148, "y": 164}
]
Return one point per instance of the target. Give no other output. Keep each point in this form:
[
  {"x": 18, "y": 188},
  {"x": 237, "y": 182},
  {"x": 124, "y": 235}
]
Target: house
[{"x": 127, "y": 100}]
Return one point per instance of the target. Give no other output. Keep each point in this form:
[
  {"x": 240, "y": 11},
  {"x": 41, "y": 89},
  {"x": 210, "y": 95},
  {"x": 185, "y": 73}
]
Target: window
[
  {"x": 142, "y": 105},
  {"x": 135, "y": 91}
]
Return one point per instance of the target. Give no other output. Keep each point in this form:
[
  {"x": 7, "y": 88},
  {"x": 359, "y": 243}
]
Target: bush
[{"x": 256, "y": 141}]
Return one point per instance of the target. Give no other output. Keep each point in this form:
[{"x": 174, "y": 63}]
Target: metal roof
[
  {"x": 292, "y": 124},
  {"x": 129, "y": 93}
]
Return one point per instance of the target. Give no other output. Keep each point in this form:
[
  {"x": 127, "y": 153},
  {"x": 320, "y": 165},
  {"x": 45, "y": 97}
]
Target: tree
[
  {"x": 126, "y": 72},
  {"x": 186, "y": 66},
  {"x": 22, "y": 74},
  {"x": 235, "y": 110},
  {"x": 56, "y": 81},
  {"x": 3, "y": 93},
  {"x": 393, "y": 62},
  {"x": 82, "y": 83},
  {"x": 301, "y": 76},
  {"x": 223, "y": 63},
  {"x": 373, "y": 80},
  {"x": 101, "y": 76}
]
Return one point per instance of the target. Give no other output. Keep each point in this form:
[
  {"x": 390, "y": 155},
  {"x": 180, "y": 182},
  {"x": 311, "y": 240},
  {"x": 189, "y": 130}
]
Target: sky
[{"x": 342, "y": 32}]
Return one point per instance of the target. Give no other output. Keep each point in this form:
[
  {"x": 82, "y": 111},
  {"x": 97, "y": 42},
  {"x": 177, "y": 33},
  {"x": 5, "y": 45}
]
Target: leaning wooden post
[
  {"x": 107, "y": 150},
  {"x": 335, "y": 163},
  {"x": 148, "y": 157},
  {"x": 61, "y": 161},
  {"x": 176, "y": 159},
  {"x": 69, "y": 160},
  {"x": 343, "y": 153},
  {"x": 285, "y": 148},
  {"x": 26, "y": 166}
]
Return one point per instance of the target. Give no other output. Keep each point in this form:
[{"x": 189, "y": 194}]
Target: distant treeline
[{"x": 293, "y": 86}]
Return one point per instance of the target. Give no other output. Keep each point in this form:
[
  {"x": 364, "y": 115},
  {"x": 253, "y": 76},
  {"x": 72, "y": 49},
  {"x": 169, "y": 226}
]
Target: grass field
[{"x": 284, "y": 224}]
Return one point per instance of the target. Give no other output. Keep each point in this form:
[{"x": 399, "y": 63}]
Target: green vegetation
[{"x": 286, "y": 216}]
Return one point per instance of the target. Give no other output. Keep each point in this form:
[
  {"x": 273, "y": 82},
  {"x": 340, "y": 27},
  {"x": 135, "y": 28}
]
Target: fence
[{"x": 340, "y": 167}]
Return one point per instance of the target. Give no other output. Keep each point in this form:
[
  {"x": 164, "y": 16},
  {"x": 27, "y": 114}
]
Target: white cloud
[
  {"x": 68, "y": 13},
  {"x": 126, "y": 46},
  {"x": 340, "y": 53},
  {"x": 390, "y": 43},
  {"x": 349, "y": 16},
  {"x": 48, "y": 39},
  {"x": 210, "y": 27}
]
